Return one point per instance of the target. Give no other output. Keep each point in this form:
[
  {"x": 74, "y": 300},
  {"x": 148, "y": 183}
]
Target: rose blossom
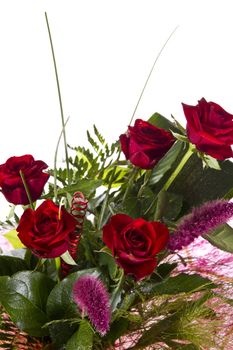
[
  {"x": 135, "y": 243},
  {"x": 11, "y": 182},
  {"x": 210, "y": 128},
  {"x": 46, "y": 230},
  {"x": 145, "y": 144}
]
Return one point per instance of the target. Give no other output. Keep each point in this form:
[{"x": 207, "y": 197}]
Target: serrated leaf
[
  {"x": 12, "y": 237},
  {"x": 82, "y": 339},
  {"x": 98, "y": 135},
  {"x": 87, "y": 187},
  {"x": 222, "y": 238}
]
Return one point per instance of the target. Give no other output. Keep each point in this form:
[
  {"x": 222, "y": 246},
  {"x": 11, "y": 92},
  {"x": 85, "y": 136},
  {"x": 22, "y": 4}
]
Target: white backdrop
[{"x": 104, "y": 51}]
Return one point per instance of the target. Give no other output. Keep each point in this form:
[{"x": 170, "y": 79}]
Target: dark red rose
[
  {"x": 210, "y": 128},
  {"x": 135, "y": 243},
  {"x": 46, "y": 230},
  {"x": 11, "y": 183},
  {"x": 144, "y": 144}
]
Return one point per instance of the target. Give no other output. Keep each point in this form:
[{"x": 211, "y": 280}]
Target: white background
[{"x": 104, "y": 52}]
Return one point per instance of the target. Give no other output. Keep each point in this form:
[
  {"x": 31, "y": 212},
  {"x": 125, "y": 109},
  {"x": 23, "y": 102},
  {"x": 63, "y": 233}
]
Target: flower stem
[
  {"x": 180, "y": 166},
  {"x": 60, "y": 99},
  {"x": 26, "y": 189},
  {"x": 173, "y": 176},
  {"x": 55, "y": 163},
  {"x": 150, "y": 73},
  {"x": 130, "y": 183},
  {"x": 105, "y": 203}
]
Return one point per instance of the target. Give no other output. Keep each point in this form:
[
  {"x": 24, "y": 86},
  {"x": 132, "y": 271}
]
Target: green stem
[
  {"x": 179, "y": 168},
  {"x": 55, "y": 163},
  {"x": 150, "y": 73},
  {"x": 130, "y": 182},
  {"x": 173, "y": 176},
  {"x": 60, "y": 99},
  {"x": 26, "y": 189},
  {"x": 105, "y": 203},
  {"x": 147, "y": 177}
]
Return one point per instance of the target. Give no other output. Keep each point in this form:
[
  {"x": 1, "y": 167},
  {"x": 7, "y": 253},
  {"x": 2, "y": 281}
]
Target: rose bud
[
  {"x": 11, "y": 182},
  {"x": 145, "y": 144}
]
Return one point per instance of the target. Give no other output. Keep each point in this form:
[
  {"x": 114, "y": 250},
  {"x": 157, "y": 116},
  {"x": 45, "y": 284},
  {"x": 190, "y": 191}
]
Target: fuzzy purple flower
[
  {"x": 91, "y": 296},
  {"x": 201, "y": 221}
]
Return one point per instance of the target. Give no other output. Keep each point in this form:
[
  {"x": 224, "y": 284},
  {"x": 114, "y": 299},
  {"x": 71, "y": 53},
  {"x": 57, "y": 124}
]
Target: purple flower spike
[
  {"x": 201, "y": 221},
  {"x": 91, "y": 296}
]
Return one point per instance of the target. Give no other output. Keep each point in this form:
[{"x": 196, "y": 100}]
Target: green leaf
[
  {"x": 60, "y": 302},
  {"x": 24, "y": 297},
  {"x": 182, "y": 283},
  {"x": 165, "y": 163},
  {"x": 222, "y": 238},
  {"x": 211, "y": 162},
  {"x": 106, "y": 259},
  {"x": 60, "y": 305},
  {"x": 198, "y": 186},
  {"x": 10, "y": 265},
  {"x": 87, "y": 187},
  {"x": 68, "y": 258},
  {"x": 118, "y": 328},
  {"x": 156, "y": 331},
  {"x": 229, "y": 194},
  {"x": 162, "y": 122},
  {"x": 82, "y": 339},
  {"x": 163, "y": 271},
  {"x": 169, "y": 205},
  {"x": 180, "y": 137},
  {"x": 117, "y": 293},
  {"x": 12, "y": 237}
]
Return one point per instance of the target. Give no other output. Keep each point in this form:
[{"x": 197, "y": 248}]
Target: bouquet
[{"x": 96, "y": 249}]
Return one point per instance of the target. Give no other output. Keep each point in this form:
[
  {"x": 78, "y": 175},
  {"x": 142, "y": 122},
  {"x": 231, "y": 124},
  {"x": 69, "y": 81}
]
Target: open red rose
[
  {"x": 135, "y": 243},
  {"x": 210, "y": 128},
  {"x": 144, "y": 144},
  {"x": 11, "y": 182},
  {"x": 46, "y": 230}
]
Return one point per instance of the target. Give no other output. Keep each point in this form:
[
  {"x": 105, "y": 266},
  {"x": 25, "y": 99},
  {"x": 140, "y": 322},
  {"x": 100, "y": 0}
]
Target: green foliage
[
  {"x": 10, "y": 265},
  {"x": 12, "y": 237},
  {"x": 222, "y": 238},
  {"x": 23, "y": 295},
  {"x": 162, "y": 122},
  {"x": 82, "y": 338},
  {"x": 182, "y": 283},
  {"x": 166, "y": 163}
]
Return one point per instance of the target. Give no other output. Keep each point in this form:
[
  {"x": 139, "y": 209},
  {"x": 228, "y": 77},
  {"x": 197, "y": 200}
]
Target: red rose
[
  {"x": 135, "y": 243},
  {"x": 144, "y": 144},
  {"x": 210, "y": 128},
  {"x": 46, "y": 230},
  {"x": 11, "y": 183}
]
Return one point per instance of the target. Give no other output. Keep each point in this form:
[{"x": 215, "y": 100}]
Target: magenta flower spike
[
  {"x": 91, "y": 296},
  {"x": 201, "y": 221}
]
